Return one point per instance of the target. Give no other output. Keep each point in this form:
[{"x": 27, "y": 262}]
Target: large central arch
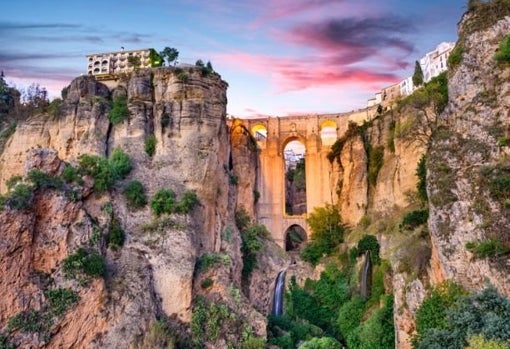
[{"x": 317, "y": 133}]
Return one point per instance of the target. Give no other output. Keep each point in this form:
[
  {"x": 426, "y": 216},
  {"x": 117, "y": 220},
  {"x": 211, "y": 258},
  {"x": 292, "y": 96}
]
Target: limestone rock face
[
  {"x": 244, "y": 165},
  {"x": 465, "y": 159},
  {"x": 354, "y": 187},
  {"x": 152, "y": 275}
]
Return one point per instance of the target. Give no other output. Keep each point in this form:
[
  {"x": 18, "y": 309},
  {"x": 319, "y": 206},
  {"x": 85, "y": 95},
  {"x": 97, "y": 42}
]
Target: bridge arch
[
  {"x": 328, "y": 132},
  {"x": 295, "y": 237},
  {"x": 317, "y": 133},
  {"x": 259, "y": 132}
]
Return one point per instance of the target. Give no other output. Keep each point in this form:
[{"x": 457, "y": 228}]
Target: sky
[{"x": 280, "y": 58}]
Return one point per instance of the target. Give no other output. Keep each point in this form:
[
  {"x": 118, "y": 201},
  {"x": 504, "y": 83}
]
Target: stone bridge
[{"x": 317, "y": 133}]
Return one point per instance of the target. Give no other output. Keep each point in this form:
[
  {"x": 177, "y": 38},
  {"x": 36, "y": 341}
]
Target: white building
[
  {"x": 435, "y": 62},
  {"x": 406, "y": 86},
  {"x": 110, "y": 63}
]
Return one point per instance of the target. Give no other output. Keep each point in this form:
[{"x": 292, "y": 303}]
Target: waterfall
[
  {"x": 278, "y": 294},
  {"x": 366, "y": 276}
]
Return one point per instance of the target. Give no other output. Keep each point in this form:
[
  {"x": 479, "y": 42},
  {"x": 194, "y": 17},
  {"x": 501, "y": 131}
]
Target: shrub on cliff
[
  {"x": 503, "y": 54},
  {"x": 135, "y": 194},
  {"x": 119, "y": 111},
  {"x": 187, "y": 202},
  {"x": 83, "y": 264},
  {"x": 19, "y": 197},
  {"x": 453, "y": 322},
  {"x": 163, "y": 202},
  {"x": 150, "y": 145},
  {"x": 115, "y": 237},
  {"x": 42, "y": 180},
  {"x": 105, "y": 171}
]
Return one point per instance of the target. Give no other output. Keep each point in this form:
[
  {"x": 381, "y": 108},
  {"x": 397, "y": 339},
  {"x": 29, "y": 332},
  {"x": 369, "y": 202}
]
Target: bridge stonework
[{"x": 321, "y": 180}]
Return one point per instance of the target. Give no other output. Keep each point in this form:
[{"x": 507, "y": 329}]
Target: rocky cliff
[
  {"x": 468, "y": 161},
  {"x": 153, "y": 280}
]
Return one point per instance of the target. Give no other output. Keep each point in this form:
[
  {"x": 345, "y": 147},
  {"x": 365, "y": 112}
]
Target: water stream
[
  {"x": 366, "y": 276},
  {"x": 279, "y": 288}
]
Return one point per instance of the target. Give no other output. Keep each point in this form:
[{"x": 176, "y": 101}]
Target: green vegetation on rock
[
  {"x": 119, "y": 111},
  {"x": 134, "y": 193},
  {"x": 327, "y": 233}
]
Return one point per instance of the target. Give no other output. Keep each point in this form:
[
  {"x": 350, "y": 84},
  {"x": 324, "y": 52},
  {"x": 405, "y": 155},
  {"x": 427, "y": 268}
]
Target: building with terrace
[{"x": 104, "y": 66}]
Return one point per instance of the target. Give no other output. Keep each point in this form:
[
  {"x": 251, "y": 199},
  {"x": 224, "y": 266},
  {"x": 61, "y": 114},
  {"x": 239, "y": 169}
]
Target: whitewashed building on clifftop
[
  {"x": 432, "y": 64},
  {"x": 104, "y": 65}
]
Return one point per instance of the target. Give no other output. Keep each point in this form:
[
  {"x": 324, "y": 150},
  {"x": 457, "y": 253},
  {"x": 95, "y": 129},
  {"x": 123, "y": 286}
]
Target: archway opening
[
  {"x": 328, "y": 132},
  {"x": 295, "y": 178},
  {"x": 259, "y": 132},
  {"x": 295, "y": 237}
]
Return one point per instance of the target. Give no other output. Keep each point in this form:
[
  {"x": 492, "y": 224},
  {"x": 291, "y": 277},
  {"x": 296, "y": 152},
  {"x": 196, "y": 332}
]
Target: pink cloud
[{"x": 292, "y": 74}]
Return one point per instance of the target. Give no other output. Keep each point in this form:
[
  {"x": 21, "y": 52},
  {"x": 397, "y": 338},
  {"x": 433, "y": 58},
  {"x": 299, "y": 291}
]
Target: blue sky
[{"x": 279, "y": 57}]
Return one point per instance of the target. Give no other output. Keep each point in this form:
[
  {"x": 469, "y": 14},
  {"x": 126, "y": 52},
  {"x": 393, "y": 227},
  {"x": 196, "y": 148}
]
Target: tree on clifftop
[
  {"x": 418, "y": 75},
  {"x": 171, "y": 54}
]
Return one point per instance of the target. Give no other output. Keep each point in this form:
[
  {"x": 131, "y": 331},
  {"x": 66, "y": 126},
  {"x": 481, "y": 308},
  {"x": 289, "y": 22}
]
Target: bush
[
  {"x": 119, "y": 111},
  {"x": 120, "y": 164},
  {"x": 415, "y": 218},
  {"x": 83, "y": 264},
  {"x": 4, "y": 343},
  {"x": 206, "y": 283},
  {"x": 55, "y": 107},
  {"x": 159, "y": 336},
  {"x": 421, "y": 173},
  {"x": 20, "y": 197},
  {"x": 375, "y": 162},
  {"x": 320, "y": 343},
  {"x": 503, "y": 54},
  {"x": 455, "y": 56},
  {"x": 150, "y": 145},
  {"x": 487, "y": 248},
  {"x": 27, "y": 321},
  {"x": 70, "y": 175},
  {"x": 349, "y": 317},
  {"x": 485, "y": 313},
  {"x": 327, "y": 233},
  {"x": 208, "y": 260},
  {"x": 105, "y": 171},
  {"x": 432, "y": 312},
  {"x": 42, "y": 180},
  {"x": 250, "y": 245},
  {"x": 98, "y": 168},
  {"x": 115, "y": 237},
  {"x": 13, "y": 181},
  {"x": 187, "y": 202},
  {"x": 163, "y": 202},
  {"x": 370, "y": 243},
  {"x": 61, "y": 299},
  {"x": 135, "y": 194}
]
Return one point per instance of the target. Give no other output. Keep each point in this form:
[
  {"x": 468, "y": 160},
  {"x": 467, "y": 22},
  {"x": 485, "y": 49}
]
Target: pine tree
[{"x": 418, "y": 75}]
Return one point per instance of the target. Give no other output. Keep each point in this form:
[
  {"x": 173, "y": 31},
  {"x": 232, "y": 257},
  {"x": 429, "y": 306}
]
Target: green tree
[
  {"x": 327, "y": 233},
  {"x": 418, "y": 75},
  {"x": 170, "y": 54},
  {"x": 155, "y": 58},
  {"x": 135, "y": 62}
]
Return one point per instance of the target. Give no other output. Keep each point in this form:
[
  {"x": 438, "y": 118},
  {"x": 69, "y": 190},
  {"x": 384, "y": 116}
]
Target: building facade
[
  {"x": 104, "y": 65},
  {"x": 432, "y": 64}
]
